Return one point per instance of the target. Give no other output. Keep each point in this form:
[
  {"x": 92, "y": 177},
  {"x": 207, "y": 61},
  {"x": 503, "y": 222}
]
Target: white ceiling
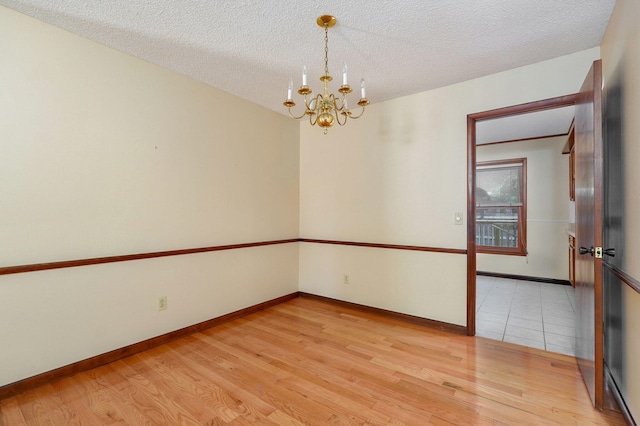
[
  {"x": 252, "y": 49},
  {"x": 532, "y": 125}
]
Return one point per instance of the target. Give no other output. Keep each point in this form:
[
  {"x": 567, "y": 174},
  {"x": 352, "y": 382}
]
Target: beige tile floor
[{"x": 527, "y": 313}]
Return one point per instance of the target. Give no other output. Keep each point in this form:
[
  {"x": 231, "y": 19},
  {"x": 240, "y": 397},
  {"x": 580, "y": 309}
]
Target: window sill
[{"x": 496, "y": 250}]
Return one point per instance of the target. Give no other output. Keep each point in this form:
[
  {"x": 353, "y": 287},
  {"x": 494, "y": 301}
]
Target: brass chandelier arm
[
  {"x": 325, "y": 109},
  {"x": 311, "y": 118},
  {"x": 337, "y": 106},
  {"x": 344, "y": 114},
  {"x": 293, "y": 116},
  {"x": 310, "y": 106},
  {"x": 355, "y": 117}
]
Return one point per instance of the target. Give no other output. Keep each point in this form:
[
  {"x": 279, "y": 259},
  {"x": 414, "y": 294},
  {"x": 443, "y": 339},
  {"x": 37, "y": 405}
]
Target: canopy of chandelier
[{"x": 325, "y": 108}]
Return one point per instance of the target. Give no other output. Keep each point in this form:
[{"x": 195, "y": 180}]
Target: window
[{"x": 501, "y": 207}]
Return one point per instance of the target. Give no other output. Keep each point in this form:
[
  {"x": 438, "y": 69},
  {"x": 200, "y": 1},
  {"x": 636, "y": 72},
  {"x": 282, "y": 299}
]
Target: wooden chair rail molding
[
  {"x": 386, "y": 246},
  {"x": 623, "y": 276},
  {"x": 124, "y": 258},
  {"x": 7, "y": 270}
]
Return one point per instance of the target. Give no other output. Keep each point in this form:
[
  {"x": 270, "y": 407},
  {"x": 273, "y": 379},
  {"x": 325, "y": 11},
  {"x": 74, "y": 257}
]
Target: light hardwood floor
[{"x": 312, "y": 362}]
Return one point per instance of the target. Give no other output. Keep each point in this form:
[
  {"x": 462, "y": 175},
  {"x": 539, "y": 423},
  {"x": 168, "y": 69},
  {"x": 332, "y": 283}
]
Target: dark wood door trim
[
  {"x": 471, "y": 224},
  {"x": 472, "y": 119},
  {"x": 542, "y": 105}
]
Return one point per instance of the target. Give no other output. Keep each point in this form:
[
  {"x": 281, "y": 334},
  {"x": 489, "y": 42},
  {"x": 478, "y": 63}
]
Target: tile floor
[{"x": 528, "y": 313}]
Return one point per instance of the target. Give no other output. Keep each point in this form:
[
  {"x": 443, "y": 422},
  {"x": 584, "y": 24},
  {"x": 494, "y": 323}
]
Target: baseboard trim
[
  {"x": 443, "y": 326},
  {"x": 523, "y": 278},
  {"x": 23, "y": 385},
  {"x": 617, "y": 396},
  {"x": 98, "y": 360}
]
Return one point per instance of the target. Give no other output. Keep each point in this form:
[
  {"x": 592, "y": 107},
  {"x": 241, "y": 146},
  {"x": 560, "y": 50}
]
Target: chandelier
[{"x": 325, "y": 109}]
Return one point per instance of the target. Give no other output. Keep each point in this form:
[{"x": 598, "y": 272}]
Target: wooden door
[{"x": 588, "y": 145}]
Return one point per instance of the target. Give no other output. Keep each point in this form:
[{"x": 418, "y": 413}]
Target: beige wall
[
  {"x": 547, "y": 209},
  {"x": 397, "y": 176},
  {"x": 620, "y": 49},
  {"x": 104, "y": 154}
]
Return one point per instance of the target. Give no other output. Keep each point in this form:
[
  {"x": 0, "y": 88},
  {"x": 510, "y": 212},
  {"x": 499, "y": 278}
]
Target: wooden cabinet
[
  {"x": 572, "y": 260},
  {"x": 569, "y": 148},
  {"x": 572, "y": 174}
]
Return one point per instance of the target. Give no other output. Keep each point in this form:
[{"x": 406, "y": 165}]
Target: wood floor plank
[
  {"x": 104, "y": 388},
  {"x": 10, "y": 413},
  {"x": 309, "y": 361},
  {"x": 207, "y": 371},
  {"x": 199, "y": 399},
  {"x": 71, "y": 396},
  {"x": 43, "y": 406}
]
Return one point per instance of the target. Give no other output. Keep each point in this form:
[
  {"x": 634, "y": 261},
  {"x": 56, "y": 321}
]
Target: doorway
[
  {"x": 523, "y": 294},
  {"x": 472, "y": 120},
  {"x": 588, "y": 196}
]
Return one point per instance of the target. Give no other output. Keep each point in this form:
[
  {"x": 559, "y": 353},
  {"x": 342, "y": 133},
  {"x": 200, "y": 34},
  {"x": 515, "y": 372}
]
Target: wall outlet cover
[
  {"x": 162, "y": 303},
  {"x": 459, "y": 218}
]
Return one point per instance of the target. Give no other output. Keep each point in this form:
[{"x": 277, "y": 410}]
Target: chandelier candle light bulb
[
  {"x": 344, "y": 74},
  {"x": 325, "y": 109}
]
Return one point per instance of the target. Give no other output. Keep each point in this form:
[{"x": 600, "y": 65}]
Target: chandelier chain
[{"x": 326, "y": 49}]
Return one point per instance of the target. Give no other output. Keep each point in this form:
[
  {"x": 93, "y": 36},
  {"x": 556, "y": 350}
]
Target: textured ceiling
[{"x": 252, "y": 49}]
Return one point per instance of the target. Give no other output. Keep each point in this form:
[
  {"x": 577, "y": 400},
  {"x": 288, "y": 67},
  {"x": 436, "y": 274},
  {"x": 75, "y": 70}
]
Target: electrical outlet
[
  {"x": 345, "y": 279},
  {"x": 162, "y": 303},
  {"x": 458, "y": 218}
]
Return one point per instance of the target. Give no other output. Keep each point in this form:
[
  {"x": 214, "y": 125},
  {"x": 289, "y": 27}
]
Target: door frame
[{"x": 472, "y": 119}]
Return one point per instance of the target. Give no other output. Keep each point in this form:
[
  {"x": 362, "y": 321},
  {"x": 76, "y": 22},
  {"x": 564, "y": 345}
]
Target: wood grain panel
[
  {"x": 588, "y": 290},
  {"x": 307, "y": 361}
]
